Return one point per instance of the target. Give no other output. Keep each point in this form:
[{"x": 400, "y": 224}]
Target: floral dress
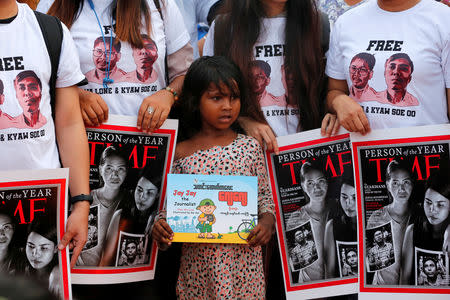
[{"x": 225, "y": 271}]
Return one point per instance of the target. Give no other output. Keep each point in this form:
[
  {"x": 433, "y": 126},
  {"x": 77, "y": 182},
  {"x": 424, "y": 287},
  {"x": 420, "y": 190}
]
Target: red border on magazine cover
[
  {"x": 289, "y": 287},
  {"x": 61, "y": 220},
  {"x": 398, "y": 289},
  {"x": 172, "y": 133}
]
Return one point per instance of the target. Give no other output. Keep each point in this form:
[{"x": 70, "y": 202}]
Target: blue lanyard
[{"x": 106, "y": 80}]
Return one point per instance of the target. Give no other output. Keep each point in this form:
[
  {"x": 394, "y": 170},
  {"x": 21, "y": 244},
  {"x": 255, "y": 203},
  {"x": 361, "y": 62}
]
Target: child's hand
[
  {"x": 261, "y": 234},
  {"x": 162, "y": 233}
]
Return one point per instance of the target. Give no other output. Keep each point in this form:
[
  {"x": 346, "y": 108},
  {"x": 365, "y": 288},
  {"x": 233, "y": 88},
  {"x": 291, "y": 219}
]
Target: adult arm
[
  {"x": 162, "y": 101},
  {"x": 349, "y": 113},
  {"x": 74, "y": 154},
  {"x": 407, "y": 256}
]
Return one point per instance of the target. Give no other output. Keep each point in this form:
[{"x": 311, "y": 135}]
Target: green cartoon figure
[{"x": 206, "y": 218}]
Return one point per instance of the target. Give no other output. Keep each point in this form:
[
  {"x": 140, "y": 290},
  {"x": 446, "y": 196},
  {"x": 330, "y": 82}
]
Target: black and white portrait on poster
[
  {"x": 403, "y": 186},
  {"x": 303, "y": 250},
  {"x": 380, "y": 245},
  {"x": 133, "y": 250},
  {"x": 347, "y": 258},
  {"x": 431, "y": 268},
  {"x": 33, "y": 213},
  {"x": 313, "y": 188},
  {"x": 127, "y": 180},
  {"x": 93, "y": 221}
]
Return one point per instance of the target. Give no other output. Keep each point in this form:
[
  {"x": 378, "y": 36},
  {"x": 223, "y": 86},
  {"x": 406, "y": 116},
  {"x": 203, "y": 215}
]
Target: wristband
[
  {"x": 174, "y": 93},
  {"x": 81, "y": 197}
]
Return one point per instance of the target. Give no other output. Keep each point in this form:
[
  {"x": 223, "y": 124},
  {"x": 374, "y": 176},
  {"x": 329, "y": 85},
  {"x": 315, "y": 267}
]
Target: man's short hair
[
  {"x": 26, "y": 74},
  {"x": 404, "y": 56},
  {"x": 263, "y": 66},
  {"x": 367, "y": 57},
  {"x": 1, "y": 87},
  {"x": 115, "y": 43}
]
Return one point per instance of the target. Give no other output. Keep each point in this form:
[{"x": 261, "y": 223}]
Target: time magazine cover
[
  {"x": 314, "y": 194},
  {"x": 403, "y": 183},
  {"x": 127, "y": 180},
  {"x": 33, "y": 213}
]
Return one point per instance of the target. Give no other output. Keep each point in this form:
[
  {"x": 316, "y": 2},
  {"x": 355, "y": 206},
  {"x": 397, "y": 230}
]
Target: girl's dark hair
[
  {"x": 125, "y": 12},
  {"x": 202, "y": 73},
  {"x": 236, "y": 32},
  {"x": 439, "y": 181}
]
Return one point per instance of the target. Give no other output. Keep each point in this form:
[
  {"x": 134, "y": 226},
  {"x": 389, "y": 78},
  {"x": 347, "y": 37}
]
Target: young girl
[{"x": 212, "y": 92}]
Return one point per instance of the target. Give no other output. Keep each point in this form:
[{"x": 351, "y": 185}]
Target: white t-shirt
[
  {"x": 407, "y": 86},
  {"x": 27, "y": 138},
  {"x": 269, "y": 49},
  {"x": 129, "y": 89}
]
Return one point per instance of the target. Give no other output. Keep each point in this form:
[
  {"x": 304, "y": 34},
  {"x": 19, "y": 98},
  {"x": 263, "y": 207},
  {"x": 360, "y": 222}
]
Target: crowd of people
[{"x": 270, "y": 68}]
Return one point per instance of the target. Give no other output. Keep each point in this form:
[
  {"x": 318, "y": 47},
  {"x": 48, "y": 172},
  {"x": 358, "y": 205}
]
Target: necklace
[{"x": 106, "y": 79}]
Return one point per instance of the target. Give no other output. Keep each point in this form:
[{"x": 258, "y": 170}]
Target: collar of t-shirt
[{"x": 7, "y": 21}]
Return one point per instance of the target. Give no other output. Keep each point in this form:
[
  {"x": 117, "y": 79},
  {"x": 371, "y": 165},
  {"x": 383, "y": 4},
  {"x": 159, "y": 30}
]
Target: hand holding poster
[
  {"x": 403, "y": 183},
  {"x": 32, "y": 221},
  {"x": 313, "y": 188},
  {"x": 212, "y": 208},
  {"x": 127, "y": 181}
]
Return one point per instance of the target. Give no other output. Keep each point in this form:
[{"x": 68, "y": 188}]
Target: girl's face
[
  {"x": 400, "y": 185},
  {"x": 113, "y": 171},
  {"x": 219, "y": 107},
  {"x": 145, "y": 194},
  {"x": 436, "y": 207},
  {"x": 347, "y": 199},
  {"x": 39, "y": 250},
  {"x": 6, "y": 230},
  {"x": 315, "y": 184}
]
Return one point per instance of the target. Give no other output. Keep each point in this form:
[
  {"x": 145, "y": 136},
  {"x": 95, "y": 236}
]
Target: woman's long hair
[
  {"x": 125, "y": 12},
  {"x": 237, "y": 31}
]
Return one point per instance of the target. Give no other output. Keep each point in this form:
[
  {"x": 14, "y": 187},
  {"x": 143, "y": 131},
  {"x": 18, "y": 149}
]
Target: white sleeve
[
  {"x": 69, "y": 72},
  {"x": 176, "y": 34},
  {"x": 208, "y": 47},
  {"x": 44, "y": 6},
  {"x": 445, "y": 60},
  {"x": 202, "y": 8},
  {"x": 335, "y": 58}
]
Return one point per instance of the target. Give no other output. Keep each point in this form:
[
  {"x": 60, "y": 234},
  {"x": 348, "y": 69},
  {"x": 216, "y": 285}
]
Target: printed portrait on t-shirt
[
  {"x": 398, "y": 71},
  {"x": 260, "y": 79},
  {"x": 105, "y": 55},
  {"x": 144, "y": 58},
  {"x": 361, "y": 71},
  {"x": 28, "y": 90}
]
